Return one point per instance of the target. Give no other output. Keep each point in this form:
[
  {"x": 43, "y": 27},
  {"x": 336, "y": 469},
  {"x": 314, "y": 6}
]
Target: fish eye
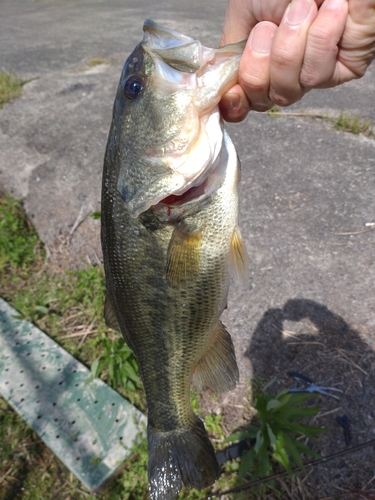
[{"x": 133, "y": 86}]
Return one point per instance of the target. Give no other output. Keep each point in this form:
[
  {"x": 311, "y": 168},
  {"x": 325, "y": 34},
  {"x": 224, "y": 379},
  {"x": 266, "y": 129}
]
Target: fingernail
[
  {"x": 297, "y": 11},
  {"x": 261, "y": 38},
  {"x": 231, "y": 101}
]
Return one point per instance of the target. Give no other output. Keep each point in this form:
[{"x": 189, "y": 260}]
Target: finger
[
  {"x": 253, "y": 76},
  {"x": 320, "y": 66},
  {"x": 357, "y": 45},
  {"x": 254, "y": 72},
  {"x": 234, "y": 105},
  {"x": 288, "y": 50},
  {"x": 242, "y": 15},
  {"x": 239, "y": 20}
]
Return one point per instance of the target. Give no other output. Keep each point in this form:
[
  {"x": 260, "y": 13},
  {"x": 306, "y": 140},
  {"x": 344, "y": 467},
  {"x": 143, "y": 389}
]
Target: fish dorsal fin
[
  {"x": 238, "y": 258},
  {"x": 110, "y": 315},
  {"x": 217, "y": 368},
  {"x": 183, "y": 257}
]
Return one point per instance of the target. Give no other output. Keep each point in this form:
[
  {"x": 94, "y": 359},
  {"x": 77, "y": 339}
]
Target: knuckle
[
  {"x": 253, "y": 82},
  {"x": 255, "y": 86},
  {"x": 283, "y": 57},
  {"x": 309, "y": 78},
  {"x": 320, "y": 37},
  {"x": 317, "y": 68}
]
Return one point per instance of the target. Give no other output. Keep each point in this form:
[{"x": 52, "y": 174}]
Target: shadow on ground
[{"x": 306, "y": 337}]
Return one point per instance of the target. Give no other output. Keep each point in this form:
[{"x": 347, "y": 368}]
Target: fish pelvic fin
[
  {"x": 218, "y": 368},
  {"x": 183, "y": 257},
  {"x": 182, "y": 456},
  {"x": 110, "y": 315},
  {"x": 238, "y": 258}
]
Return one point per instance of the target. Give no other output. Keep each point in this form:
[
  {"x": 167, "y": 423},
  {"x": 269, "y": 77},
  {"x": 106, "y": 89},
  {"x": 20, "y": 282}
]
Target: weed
[
  {"x": 95, "y": 61},
  {"x": 276, "y": 436},
  {"x": 354, "y": 124},
  {"x": 96, "y": 215},
  {"x": 214, "y": 425},
  {"x": 274, "y": 112},
  {"x": 344, "y": 122},
  {"x": 10, "y": 86},
  {"x": 120, "y": 363},
  {"x": 19, "y": 243},
  {"x": 212, "y": 421},
  {"x": 12, "y": 426}
]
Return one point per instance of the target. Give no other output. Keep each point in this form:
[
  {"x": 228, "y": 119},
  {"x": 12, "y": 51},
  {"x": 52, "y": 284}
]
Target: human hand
[{"x": 295, "y": 47}]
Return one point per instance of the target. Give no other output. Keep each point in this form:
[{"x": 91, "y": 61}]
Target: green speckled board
[{"x": 87, "y": 425}]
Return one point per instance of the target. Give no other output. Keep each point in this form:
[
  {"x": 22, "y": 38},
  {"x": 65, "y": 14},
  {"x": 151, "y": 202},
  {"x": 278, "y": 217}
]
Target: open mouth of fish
[
  {"x": 207, "y": 184},
  {"x": 211, "y": 181},
  {"x": 189, "y": 195}
]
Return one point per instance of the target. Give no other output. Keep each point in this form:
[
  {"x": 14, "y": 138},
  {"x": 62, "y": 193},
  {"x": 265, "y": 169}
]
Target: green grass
[
  {"x": 95, "y": 61},
  {"x": 352, "y": 123},
  {"x": 10, "y": 86},
  {"x": 69, "y": 307},
  {"x": 346, "y": 122},
  {"x": 274, "y": 112},
  {"x": 19, "y": 244},
  {"x": 276, "y": 435}
]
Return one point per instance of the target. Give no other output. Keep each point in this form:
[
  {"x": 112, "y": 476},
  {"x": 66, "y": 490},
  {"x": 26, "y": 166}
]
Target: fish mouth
[
  {"x": 213, "y": 71},
  {"x": 176, "y": 200},
  {"x": 188, "y": 176},
  {"x": 208, "y": 185}
]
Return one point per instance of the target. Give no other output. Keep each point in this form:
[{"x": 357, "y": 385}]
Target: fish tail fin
[{"x": 182, "y": 456}]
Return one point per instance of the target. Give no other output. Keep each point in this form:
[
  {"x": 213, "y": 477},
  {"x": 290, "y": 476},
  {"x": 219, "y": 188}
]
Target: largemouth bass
[{"x": 170, "y": 240}]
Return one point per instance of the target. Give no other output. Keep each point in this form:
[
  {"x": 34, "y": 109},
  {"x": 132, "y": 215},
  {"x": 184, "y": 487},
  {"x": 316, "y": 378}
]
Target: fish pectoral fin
[
  {"x": 110, "y": 315},
  {"x": 217, "y": 368},
  {"x": 238, "y": 258},
  {"x": 183, "y": 256}
]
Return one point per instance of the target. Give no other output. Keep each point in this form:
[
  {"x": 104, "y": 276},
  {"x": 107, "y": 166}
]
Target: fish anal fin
[
  {"x": 183, "y": 256},
  {"x": 238, "y": 258},
  {"x": 217, "y": 368},
  {"x": 110, "y": 315}
]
